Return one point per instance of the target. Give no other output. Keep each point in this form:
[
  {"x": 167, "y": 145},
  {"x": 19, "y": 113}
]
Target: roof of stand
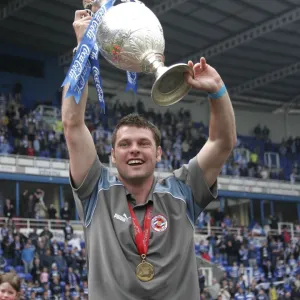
[{"x": 254, "y": 44}]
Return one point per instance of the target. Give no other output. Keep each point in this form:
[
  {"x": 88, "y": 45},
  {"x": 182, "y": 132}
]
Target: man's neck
[{"x": 139, "y": 191}]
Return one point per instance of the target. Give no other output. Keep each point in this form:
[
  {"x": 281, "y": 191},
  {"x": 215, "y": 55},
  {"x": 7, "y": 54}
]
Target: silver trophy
[{"x": 131, "y": 38}]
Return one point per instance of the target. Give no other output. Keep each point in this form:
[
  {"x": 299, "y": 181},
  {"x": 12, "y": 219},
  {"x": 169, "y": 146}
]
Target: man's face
[{"x": 135, "y": 153}]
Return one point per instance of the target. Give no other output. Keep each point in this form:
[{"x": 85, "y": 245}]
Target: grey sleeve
[
  {"x": 85, "y": 191},
  {"x": 192, "y": 175}
]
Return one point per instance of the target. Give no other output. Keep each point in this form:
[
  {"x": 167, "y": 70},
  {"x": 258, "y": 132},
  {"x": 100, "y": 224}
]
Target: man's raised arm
[
  {"x": 80, "y": 143},
  {"x": 222, "y": 129}
]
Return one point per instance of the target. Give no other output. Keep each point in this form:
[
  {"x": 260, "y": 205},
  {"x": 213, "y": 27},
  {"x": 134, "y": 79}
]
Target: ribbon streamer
[{"x": 85, "y": 62}]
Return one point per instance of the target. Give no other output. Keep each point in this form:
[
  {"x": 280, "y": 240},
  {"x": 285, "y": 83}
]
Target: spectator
[
  {"x": 239, "y": 295},
  {"x": 60, "y": 261},
  {"x": 68, "y": 230},
  {"x": 52, "y": 212},
  {"x": 264, "y": 173},
  {"x": 54, "y": 248},
  {"x": 214, "y": 289},
  {"x": 27, "y": 257},
  {"x": 40, "y": 207},
  {"x": 257, "y": 131},
  {"x": 17, "y": 247},
  {"x": 44, "y": 277},
  {"x": 22, "y": 237},
  {"x": 46, "y": 259},
  {"x": 29, "y": 200},
  {"x": 47, "y": 234},
  {"x": 262, "y": 295},
  {"x": 33, "y": 236},
  {"x": 10, "y": 286},
  {"x": 56, "y": 288},
  {"x": 36, "y": 269},
  {"x": 218, "y": 216},
  {"x": 65, "y": 212},
  {"x": 8, "y": 209},
  {"x": 294, "y": 176},
  {"x": 7, "y": 248},
  {"x": 71, "y": 279},
  {"x": 201, "y": 280}
]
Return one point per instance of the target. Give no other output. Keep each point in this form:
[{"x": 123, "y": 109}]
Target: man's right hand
[{"x": 81, "y": 22}]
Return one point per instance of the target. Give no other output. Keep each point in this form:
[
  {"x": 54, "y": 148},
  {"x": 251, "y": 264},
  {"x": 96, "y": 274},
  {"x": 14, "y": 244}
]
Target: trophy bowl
[{"x": 131, "y": 38}]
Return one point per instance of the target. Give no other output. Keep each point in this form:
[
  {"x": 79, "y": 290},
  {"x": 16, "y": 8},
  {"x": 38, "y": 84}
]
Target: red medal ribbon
[{"x": 141, "y": 236}]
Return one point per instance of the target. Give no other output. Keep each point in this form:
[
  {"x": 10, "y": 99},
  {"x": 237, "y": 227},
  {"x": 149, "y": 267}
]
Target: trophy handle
[{"x": 170, "y": 85}]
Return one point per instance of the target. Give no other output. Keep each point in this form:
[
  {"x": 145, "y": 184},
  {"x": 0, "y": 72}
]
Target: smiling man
[{"x": 139, "y": 230}]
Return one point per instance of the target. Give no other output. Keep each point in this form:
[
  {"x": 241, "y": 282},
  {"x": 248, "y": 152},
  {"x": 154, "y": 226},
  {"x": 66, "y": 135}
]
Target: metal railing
[
  {"x": 23, "y": 223},
  {"x": 292, "y": 229},
  {"x": 57, "y": 224}
]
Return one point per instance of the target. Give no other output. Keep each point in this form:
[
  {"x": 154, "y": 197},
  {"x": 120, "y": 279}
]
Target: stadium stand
[
  {"x": 233, "y": 262},
  {"x": 39, "y": 133},
  {"x": 49, "y": 257}
]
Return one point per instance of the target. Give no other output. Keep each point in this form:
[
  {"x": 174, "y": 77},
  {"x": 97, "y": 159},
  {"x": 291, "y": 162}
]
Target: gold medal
[{"x": 145, "y": 271}]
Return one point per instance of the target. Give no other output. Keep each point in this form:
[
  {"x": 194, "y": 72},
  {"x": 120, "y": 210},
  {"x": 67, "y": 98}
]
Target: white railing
[
  {"x": 208, "y": 275},
  {"x": 56, "y": 227},
  {"x": 56, "y": 224},
  {"x": 203, "y": 233},
  {"x": 272, "y": 160},
  {"x": 293, "y": 230},
  {"x": 33, "y": 161}
]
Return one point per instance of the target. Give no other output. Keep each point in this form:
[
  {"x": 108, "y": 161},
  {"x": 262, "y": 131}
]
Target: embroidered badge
[{"x": 159, "y": 223}]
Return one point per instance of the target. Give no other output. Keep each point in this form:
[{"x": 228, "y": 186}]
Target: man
[
  {"x": 68, "y": 231},
  {"x": 27, "y": 257},
  {"x": 113, "y": 209},
  {"x": 65, "y": 212}
]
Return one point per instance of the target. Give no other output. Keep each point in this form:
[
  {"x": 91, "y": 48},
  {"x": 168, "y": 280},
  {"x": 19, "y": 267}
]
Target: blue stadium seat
[
  {"x": 61, "y": 244},
  {"x": 8, "y": 268},
  {"x": 28, "y": 277},
  {"x": 19, "y": 269},
  {"x": 21, "y": 275},
  {"x": 9, "y": 261}
]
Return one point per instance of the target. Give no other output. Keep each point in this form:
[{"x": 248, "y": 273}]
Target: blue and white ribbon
[
  {"x": 131, "y": 82},
  {"x": 97, "y": 77},
  {"x": 86, "y": 62}
]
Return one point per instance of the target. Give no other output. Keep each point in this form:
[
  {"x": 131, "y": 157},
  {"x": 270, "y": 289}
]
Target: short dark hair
[
  {"x": 13, "y": 279},
  {"x": 136, "y": 120}
]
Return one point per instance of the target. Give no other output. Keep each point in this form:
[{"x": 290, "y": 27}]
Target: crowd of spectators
[
  {"x": 27, "y": 133},
  {"x": 49, "y": 269},
  {"x": 57, "y": 270},
  {"x": 256, "y": 264},
  {"x": 35, "y": 207}
]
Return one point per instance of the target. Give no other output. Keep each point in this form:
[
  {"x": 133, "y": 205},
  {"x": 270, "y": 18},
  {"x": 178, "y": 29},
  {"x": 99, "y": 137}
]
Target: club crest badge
[{"x": 159, "y": 223}]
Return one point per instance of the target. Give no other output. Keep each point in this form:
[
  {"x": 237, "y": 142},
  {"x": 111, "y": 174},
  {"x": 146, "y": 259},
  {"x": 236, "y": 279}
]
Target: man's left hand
[{"x": 205, "y": 78}]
